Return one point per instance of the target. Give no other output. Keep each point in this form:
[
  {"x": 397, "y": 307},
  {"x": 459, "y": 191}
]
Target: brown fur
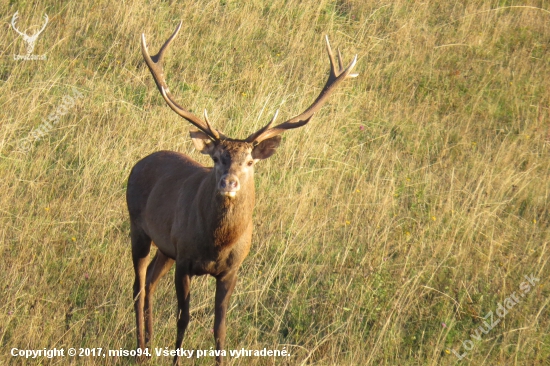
[{"x": 175, "y": 202}]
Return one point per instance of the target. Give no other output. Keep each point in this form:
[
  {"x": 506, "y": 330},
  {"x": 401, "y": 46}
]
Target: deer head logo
[{"x": 30, "y": 40}]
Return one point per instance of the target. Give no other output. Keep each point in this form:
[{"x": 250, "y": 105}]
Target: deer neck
[{"x": 230, "y": 217}]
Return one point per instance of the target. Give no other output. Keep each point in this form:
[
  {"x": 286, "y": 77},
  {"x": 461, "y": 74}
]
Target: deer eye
[
  {"x": 250, "y": 163},
  {"x": 215, "y": 159}
]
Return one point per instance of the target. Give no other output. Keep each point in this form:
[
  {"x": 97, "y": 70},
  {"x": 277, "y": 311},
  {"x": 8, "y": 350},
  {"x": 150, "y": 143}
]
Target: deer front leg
[
  {"x": 183, "y": 284},
  {"x": 158, "y": 267},
  {"x": 224, "y": 288}
]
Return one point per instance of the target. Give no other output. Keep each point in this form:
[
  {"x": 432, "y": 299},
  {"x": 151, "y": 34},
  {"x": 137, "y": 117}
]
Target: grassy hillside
[{"x": 409, "y": 208}]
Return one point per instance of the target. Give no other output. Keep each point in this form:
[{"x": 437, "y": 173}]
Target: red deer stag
[{"x": 200, "y": 217}]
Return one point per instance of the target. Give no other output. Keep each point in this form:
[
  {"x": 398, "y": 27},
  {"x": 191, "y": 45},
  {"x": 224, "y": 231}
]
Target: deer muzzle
[{"x": 229, "y": 185}]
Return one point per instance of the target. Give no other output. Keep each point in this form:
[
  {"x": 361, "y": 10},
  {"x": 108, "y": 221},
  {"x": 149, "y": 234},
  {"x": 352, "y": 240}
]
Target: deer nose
[{"x": 229, "y": 185}]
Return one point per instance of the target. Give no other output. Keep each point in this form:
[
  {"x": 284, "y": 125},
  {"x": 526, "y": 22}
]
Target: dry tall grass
[{"x": 408, "y": 208}]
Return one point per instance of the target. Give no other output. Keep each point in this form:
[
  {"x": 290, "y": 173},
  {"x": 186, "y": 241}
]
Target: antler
[
  {"x": 44, "y": 26},
  {"x": 337, "y": 75},
  {"x": 155, "y": 66},
  {"x": 13, "y": 19}
]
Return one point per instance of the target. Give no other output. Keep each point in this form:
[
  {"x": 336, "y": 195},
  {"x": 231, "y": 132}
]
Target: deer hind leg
[
  {"x": 158, "y": 267},
  {"x": 141, "y": 244}
]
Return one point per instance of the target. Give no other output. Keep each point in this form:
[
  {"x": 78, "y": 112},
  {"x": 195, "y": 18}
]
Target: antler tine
[
  {"x": 253, "y": 137},
  {"x": 333, "y": 70},
  {"x": 154, "y": 63},
  {"x": 336, "y": 76},
  {"x": 45, "y": 23},
  {"x": 13, "y": 19},
  {"x": 213, "y": 131}
]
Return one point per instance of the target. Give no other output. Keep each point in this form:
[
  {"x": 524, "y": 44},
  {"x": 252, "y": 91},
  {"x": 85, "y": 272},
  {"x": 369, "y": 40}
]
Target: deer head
[
  {"x": 234, "y": 159},
  {"x": 30, "y": 40}
]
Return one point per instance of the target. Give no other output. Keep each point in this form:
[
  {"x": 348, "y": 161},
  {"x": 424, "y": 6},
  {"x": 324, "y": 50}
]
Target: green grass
[{"x": 417, "y": 196}]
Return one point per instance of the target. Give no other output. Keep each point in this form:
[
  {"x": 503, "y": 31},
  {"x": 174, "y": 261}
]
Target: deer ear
[
  {"x": 266, "y": 148},
  {"x": 202, "y": 142}
]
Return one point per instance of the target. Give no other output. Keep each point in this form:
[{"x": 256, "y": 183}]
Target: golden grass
[{"x": 418, "y": 195}]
